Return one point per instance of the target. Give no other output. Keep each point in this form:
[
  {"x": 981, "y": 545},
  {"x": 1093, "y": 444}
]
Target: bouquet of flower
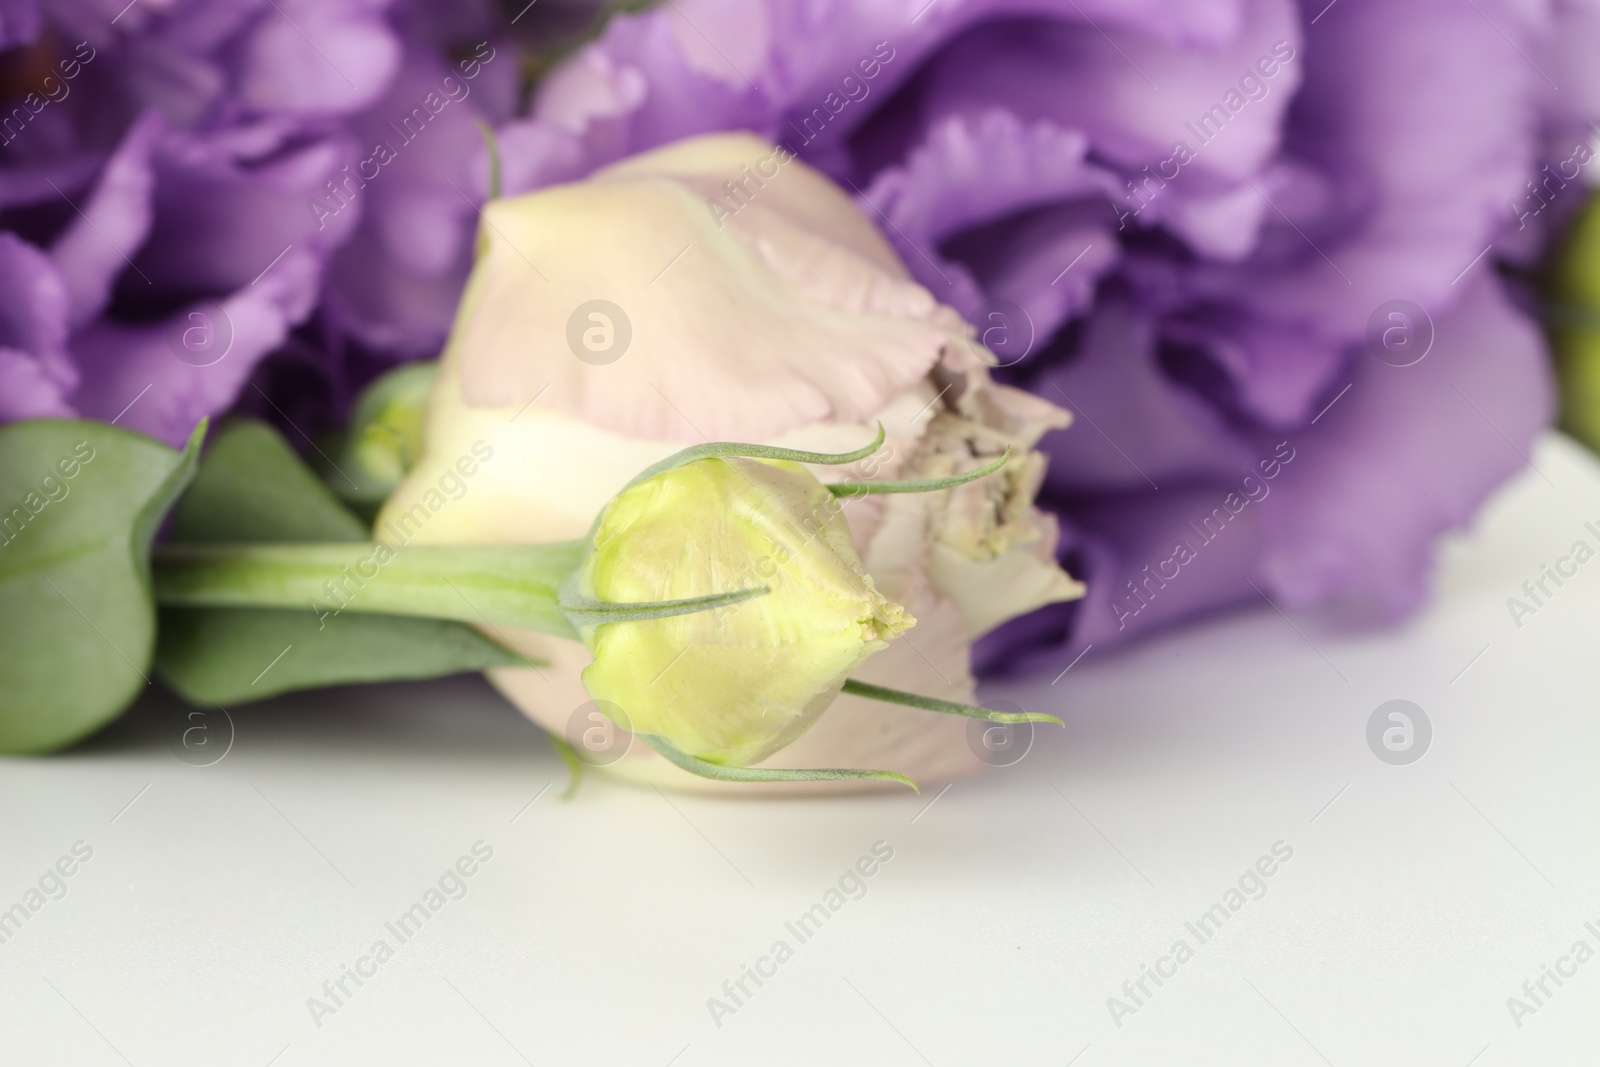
[{"x": 704, "y": 373}]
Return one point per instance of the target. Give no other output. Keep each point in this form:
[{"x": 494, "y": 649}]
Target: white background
[{"x": 1418, "y": 899}]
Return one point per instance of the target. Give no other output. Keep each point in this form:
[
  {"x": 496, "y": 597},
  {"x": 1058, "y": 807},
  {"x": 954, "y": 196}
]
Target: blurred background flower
[
  {"x": 1220, "y": 232},
  {"x": 186, "y": 183}
]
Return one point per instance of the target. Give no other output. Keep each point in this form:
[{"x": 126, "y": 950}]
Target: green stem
[{"x": 513, "y": 585}]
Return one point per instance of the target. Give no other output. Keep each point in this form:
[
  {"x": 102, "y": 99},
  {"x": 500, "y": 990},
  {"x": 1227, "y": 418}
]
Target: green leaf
[
  {"x": 252, "y": 487},
  {"x": 83, "y": 501},
  {"x": 231, "y": 656}
]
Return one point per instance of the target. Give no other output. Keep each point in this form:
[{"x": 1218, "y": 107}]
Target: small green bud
[
  {"x": 1574, "y": 324},
  {"x": 384, "y": 437},
  {"x": 733, "y": 685}
]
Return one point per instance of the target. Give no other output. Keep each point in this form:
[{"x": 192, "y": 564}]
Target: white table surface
[{"x": 1418, "y": 899}]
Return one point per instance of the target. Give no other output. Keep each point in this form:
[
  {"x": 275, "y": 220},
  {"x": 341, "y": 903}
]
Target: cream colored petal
[
  {"x": 732, "y": 169},
  {"x": 547, "y": 478},
  {"x": 993, "y": 551},
  {"x": 1026, "y": 576},
  {"x": 721, "y": 347}
]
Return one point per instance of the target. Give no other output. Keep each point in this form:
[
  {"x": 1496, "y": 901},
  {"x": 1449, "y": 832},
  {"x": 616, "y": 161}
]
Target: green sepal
[
  {"x": 944, "y": 707},
  {"x": 720, "y": 773},
  {"x": 574, "y": 764},
  {"x": 724, "y": 449},
  {"x": 918, "y": 485},
  {"x": 586, "y": 611}
]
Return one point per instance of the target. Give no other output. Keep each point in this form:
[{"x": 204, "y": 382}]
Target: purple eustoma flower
[
  {"x": 1214, "y": 230},
  {"x": 186, "y": 183},
  {"x": 1218, "y": 230}
]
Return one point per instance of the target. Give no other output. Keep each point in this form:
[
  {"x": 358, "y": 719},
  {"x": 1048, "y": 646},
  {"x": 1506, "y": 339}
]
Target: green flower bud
[
  {"x": 733, "y": 685},
  {"x": 1574, "y": 293},
  {"x": 383, "y": 439}
]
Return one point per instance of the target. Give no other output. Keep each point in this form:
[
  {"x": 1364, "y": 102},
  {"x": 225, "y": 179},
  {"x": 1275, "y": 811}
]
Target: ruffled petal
[
  {"x": 26, "y": 391},
  {"x": 310, "y": 57},
  {"x": 1408, "y": 454},
  {"x": 110, "y": 225},
  {"x": 767, "y": 354},
  {"x": 135, "y": 374},
  {"x": 420, "y": 180},
  {"x": 992, "y": 168}
]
